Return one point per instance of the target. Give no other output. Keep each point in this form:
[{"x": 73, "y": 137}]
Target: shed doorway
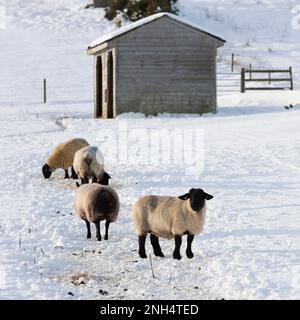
[
  {"x": 99, "y": 88},
  {"x": 110, "y": 85}
]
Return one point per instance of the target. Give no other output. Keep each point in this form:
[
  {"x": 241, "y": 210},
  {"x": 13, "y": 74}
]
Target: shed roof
[{"x": 141, "y": 22}]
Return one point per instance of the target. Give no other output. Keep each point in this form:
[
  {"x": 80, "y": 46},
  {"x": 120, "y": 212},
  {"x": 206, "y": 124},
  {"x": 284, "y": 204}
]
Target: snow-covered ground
[{"x": 251, "y": 164}]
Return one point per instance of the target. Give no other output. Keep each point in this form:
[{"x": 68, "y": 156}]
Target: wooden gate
[{"x": 255, "y": 75}]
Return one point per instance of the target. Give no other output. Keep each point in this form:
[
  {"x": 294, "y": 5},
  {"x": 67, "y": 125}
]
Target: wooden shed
[{"x": 161, "y": 63}]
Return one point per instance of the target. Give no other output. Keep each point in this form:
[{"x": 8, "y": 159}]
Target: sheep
[
  {"x": 94, "y": 203},
  {"x": 62, "y": 157},
  {"x": 89, "y": 163},
  {"x": 170, "y": 217}
]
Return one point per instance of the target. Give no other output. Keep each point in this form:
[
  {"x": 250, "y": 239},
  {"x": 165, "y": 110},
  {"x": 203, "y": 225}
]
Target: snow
[
  {"x": 141, "y": 22},
  {"x": 250, "y": 163}
]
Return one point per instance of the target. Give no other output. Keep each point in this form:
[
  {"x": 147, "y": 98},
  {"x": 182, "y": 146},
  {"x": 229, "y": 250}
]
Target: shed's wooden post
[
  {"x": 242, "y": 80},
  {"x": 232, "y": 62},
  {"x": 45, "y": 91},
  {"x": 291, "y": 78}
]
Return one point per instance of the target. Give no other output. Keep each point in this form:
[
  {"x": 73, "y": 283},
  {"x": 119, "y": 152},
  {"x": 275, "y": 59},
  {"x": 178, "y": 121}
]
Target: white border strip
[{"x": 2, "y": 15}]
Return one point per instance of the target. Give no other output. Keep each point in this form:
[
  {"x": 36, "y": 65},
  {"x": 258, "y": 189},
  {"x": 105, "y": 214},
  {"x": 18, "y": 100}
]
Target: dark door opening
[
  {"x": 110, "y": 86},
  {"x": 99, "y": 88}
]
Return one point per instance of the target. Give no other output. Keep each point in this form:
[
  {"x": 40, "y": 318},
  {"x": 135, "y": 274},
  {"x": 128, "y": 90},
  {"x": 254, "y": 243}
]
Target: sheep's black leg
[
  {"x": 107, "y": 222},
  {"x": 98, "y": 234},
  {"x": 94, "y": 179},
  {"x": 67, "y": 174},
  {"x": 88, "y": 227},
  {"x": 85, "y": 180},
  {"x": 74, "y": 175},
  {"x": 79, "y": 184},
  {"x": 189, "y": 252},
  {"x": 176, "y": 253},
  {"x": 156, "y": 246},
  {"x": 142, "y": 250}
]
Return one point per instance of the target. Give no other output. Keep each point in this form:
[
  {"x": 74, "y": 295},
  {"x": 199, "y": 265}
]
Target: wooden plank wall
[{"x": 165, "y": 66}]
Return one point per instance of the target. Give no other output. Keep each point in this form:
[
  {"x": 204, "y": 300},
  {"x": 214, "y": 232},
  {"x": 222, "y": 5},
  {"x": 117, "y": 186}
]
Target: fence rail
[
  {"x": 228, "y": 82},
  {"x": 249, "y": 72}
]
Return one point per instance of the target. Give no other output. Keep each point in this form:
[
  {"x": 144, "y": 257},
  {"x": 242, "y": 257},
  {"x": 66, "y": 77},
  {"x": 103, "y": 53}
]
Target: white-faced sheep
[
  {"x": 89, "y": 164},
  {"x": 62, "y": 157},
  {"x": 94, "y": 203},
  {"x": 170, "y": 217}
]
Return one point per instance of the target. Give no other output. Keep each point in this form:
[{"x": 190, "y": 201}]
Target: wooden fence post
[
  {"x": 242, "y": 80},
  {"x": 250, "y": 69},
  {"x": 45, "y": 91},
  {"x": 291, "y": 78},
  {"x": 232, "y": 62}
]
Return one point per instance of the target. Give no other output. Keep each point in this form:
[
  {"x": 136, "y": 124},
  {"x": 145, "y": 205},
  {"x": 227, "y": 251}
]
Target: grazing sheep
[
  {"x": 94, "y": 203},
  {"x": 170, "y": 217},
  {"x": 62, "y": 157},
  {"x": 89, "y": 164}
]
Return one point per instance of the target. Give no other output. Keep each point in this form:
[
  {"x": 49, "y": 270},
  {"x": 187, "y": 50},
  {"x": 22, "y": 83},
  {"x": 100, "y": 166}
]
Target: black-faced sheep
[
  {"x": 89, "y": 164},
  {"x": 170, "y": 217},
  {"x": 94, "y": 203},
  {"x": 62, "y": 157}
]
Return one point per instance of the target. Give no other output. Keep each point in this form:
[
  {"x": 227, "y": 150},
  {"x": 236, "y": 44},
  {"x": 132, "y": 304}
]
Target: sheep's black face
[
  {"x": 105, "y": 179},
  {"x": 47, "y": 171},
  {"x": 197, "y": 198}
]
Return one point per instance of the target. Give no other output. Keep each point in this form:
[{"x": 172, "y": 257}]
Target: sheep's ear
[
  {"x": 185, "y": 196},
  {"x": 107, "y": 175},
  {"x": 208, "y": 196},
  {"x": 104, "y": 179}
]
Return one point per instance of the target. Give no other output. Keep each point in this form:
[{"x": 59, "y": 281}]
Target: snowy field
[{"x": 251, "y": 164}]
